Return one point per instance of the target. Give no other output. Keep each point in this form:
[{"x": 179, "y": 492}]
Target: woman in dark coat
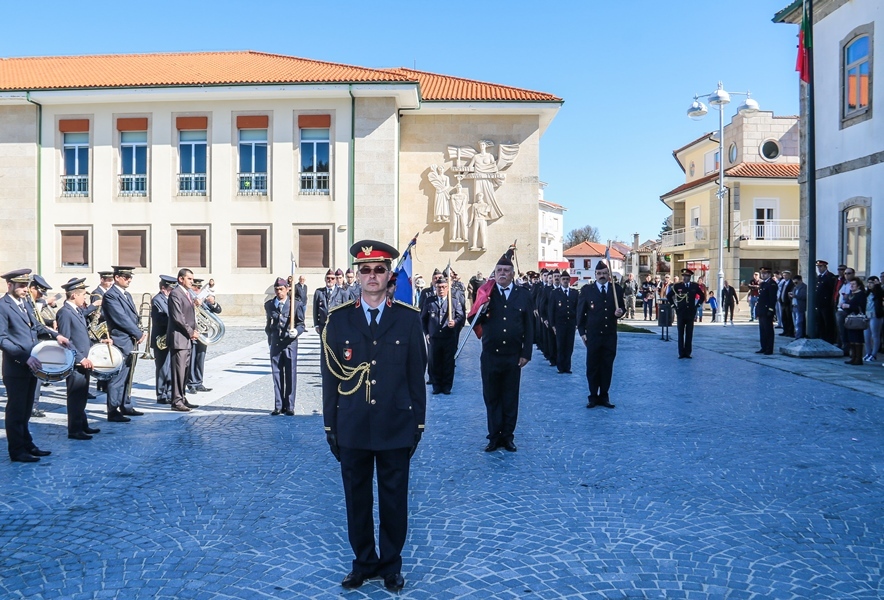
[
  {"x": 875, "y": 313},
  {"x": 855, "y": 305}
]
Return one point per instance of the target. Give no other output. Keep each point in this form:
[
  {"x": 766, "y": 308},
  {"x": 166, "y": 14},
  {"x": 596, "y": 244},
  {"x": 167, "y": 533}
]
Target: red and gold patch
[{"x": 348, "y": 353}]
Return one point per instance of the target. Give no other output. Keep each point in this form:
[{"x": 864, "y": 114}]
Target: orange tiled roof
[
  {"x": 759, "y": 170},
  {"x": 592, "y": 249},
  {"x": 231, "y": 68},
  {"x": 444, "y": 87}
]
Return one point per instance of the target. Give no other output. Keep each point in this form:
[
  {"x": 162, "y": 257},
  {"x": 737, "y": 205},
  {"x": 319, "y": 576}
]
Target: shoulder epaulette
[
  {"x": 401, "y": 303},
  {"x": 334, "y": 308}
]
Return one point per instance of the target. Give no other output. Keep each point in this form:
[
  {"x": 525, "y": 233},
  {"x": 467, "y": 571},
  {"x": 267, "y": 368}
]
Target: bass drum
[
  {"x": 106, "y": 360},
  {"x": 56, "y": 361}
]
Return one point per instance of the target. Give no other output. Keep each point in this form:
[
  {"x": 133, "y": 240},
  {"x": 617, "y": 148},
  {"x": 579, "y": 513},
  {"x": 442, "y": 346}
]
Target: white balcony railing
[
  {"x": 684, "y": 237},
  {"x": 314, "y": 183},
  {"x": 774, "y": 230},
  {"x": 251, "y": 184},
  {"x": 74, "y": 185},
  {"x": 133, "y": 185},
  {"x": 192, "y": 184}
]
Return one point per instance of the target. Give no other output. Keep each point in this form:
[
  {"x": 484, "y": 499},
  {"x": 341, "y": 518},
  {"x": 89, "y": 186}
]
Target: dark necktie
[
  {"x": 374, "y": 320},
  {"x": 22, "y": 308},
  {"x": 604, "y": 289}
]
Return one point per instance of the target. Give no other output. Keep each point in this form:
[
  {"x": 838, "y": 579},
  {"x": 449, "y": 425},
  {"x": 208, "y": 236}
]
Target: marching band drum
[{"x": 56, "y": 361}]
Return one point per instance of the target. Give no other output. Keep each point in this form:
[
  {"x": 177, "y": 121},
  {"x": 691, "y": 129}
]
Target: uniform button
[
  {"x": 504, "y": 341},
  {"x": 373, "y": 401},
  {"x": 397, "y": 342},
  {"x": 373, "y": 382},
  {"x": 375, "y": 343},
  {"x": 346, "y": 341},
  {"x": 504, "y": 332},
  {"x": 374, "y": 362},
  {"x": 504, "y": 318}
]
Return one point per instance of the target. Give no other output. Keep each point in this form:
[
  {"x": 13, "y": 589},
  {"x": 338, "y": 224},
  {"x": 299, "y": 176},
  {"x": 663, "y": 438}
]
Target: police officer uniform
[
  {"x": 325, "y": 299},
  {"x": 124, "y": 326},
  {"x": 563, "y": 316},
  {"x": 442, "y": 338},
  {"x": 597, "y": 326},
  {"x": 282, "y": 337},
  {"x": 765, "y": 311},
  {"x": 159, "y": 323},
  {"x": 685, "y": 297},
  {"x": 374, "y": 405},
  {"x": 825, "y": 303}
]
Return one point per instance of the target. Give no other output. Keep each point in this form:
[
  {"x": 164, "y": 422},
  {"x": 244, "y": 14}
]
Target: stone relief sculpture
[
  {"x": 442, "y": 184},
  {"x": 459, "y": 206},
  {"x": 484, "y": 168},
  {"x": 480, "y": 214}
]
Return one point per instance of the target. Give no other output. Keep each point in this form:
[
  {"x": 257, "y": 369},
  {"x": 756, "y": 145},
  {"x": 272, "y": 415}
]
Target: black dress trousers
[
  {"x": 501, "y": 380},
  {"x": 77, "y": 385},
  {"x": 601, "y": 350}
]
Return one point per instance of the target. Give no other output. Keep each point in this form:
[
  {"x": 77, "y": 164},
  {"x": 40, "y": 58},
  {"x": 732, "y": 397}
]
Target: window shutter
[
  {"x": 314, "y": 121},
  {"x": 313, "y": 248},
  {"x": 192, "y": 123},
  {"x": 251, "y": 248},
  {"x": 132, "y": 248},
  {"x": 74, "y": 248},
  {"x": 139, "y": 124},
  {"x": 252, "y": 122},
  {"x": 73, "y": 125},
  {"x": 192, "y": 248}
]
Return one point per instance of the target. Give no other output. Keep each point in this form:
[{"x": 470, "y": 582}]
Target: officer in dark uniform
[
  {"x": 766, "y": 311},
  {"x": 507, "y": 331},
  {"x": 72, "y": 325},
  {"x": 159, "y": 323},
  {"x": 563, "y": 318},
  {"x": 374, "y": 403},
  {"x": 599, "y": 306},
  {"x": 19, "y": 329},
  {"x": 123, "y": 323},
  {"x": 542, "y": 306},
  {"x": 441, "y": 330},
  {"x": 685, "y": 296},
  {"x": 825, "y": 302},
  {"x": 282, "y": 337},
  {"x": 536, "y": 290},
  {"x": 552, "y": 339},
  {"x": 97, "y": 296},
  {"x": 325, "y": 299},
  {"x": 430, "y": 290}
]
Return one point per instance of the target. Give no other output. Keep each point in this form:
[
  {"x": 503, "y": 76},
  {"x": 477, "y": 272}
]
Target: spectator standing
[
  {"x": 825, "y": 302},
  {"x": 630, "y": 289},
  {"x": 854, "y": 304},
  {"x": 729, "y": 299},
  {"x": 712, "y": 301},
  {"x": 784, "y": 304},
  {"x": 875, "y": 313},
  {"x": 649, "y": 293},
  {"x": 754, "y": 285},
  {"x": 842, "y": 291},
  {"x": 799, "y": 306}
]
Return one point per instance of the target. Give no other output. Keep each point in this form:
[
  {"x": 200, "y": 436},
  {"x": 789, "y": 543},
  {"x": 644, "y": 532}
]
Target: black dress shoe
[
  {"x": 354, "y": 579},
  {"x": 509, "y": 446},
  {"x": 191, "y": 389},
  {"x": 394, "y": 582},
  {"x": 131, "y": 412},
  {"x": 39, "y": 413},
  {"x": 24, "y": 458},
  {"x": 767, "y": 353},
  {"x": 189, "y": 405},
  {"x": 275, "y": 413},
  {"x": 202, "y": 388},
  {"x": 116, "y": 417},
  {"x": 607, "y": 404},
  {"x": 593, "y": 401},
  {"x": 91, "y": 396},
  {"x": 759, "y": 352},
  {"x": 436, "y": 391},
  {"x": 491, "y": 447},
  {"x": 79, "y": 436},
  {"x": 446, "y": 392},
  {"x": 290, "y": 413},
  {"x": 180, "y": 408},
  {"x": 688, "y": 356},
  {"x": 37, "y": 452},
  {"x": 91, "y": 430},
  {"x": 163, "y": 401}
]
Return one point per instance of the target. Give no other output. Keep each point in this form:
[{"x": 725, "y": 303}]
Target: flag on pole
[
  {"x": 608, "y": 254},
  {"x": 805, "y": 43},
  {"x": 483, "y": 297},
  {"x": 404, "y": 271}
]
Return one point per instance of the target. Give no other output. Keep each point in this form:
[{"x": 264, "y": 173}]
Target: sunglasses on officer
[{"x": 377, "y": 270}]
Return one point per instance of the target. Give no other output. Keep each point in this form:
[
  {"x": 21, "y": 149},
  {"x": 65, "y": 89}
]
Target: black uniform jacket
[
  {"x": 277, "y": 325},
  {"x": 435, "y": 320},
  {"x": 595, "y": 313},
  {"x": 121, "y": 315},
  {"x": 373, "y": 391},
  {"x": 562, "y": 309},
  {"x": 18, "y": 336},
  {"x": 825, "y": 290},
  {"x": 322, "y": 306},
  {"x": 508, "y": 325},
  {"x": 159, "y": 317},
  {"x": 72, "y": 325},
  {"x": 685, "y": 297},
  {"x": 767, "y": 296}
]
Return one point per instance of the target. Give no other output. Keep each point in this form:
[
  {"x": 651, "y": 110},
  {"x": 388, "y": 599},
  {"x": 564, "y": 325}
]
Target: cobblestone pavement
[{"x": 731, "y": 479}]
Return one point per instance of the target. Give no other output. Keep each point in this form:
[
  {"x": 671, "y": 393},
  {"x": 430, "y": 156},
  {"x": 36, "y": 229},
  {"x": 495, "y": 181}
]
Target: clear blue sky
[{"x": 627, "y": 70}]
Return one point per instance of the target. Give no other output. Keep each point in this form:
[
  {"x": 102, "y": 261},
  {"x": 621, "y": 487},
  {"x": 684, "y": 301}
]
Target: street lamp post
[{"x": 719, "y": 99}]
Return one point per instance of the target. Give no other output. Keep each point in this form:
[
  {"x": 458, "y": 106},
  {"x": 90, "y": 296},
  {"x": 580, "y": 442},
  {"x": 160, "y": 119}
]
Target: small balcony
[
  {"x": 133, "y": 185},
  {"x": 251, "y": 184},
  {"x": 769, "y": 233},
  {"x": 685, "y": 239},
  {"x": 314, "y": 184},
  {"x": 74, "y": 185},
  {"x": 192, "y": 184}
]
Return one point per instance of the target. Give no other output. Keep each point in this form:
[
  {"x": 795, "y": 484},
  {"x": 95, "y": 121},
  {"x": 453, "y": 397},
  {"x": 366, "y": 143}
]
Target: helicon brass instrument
[{"x": 210, "y": 327}]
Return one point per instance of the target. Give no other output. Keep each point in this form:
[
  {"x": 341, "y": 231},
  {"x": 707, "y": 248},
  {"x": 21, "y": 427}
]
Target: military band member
[
  {"x": 19, "y": 329},
  {"x": 507, "y": 327},
  {"x": 105, "y": 283},
  {"x": 72, "y": 325},
  {"x": 123, "y": 324},
  {"x": 374, "y": 404},
  {"x": 282, "y": 337},
  {"x": 441, "y": 329},
  {"x": 351, "y": 286},
  {"x": 159, "y": 323},
  {"x": 180, "y": 334},
  {"x": 536, "y": 290},
  {"x": 765, "y": 311},
  {"x": 563, "y": 317},
  {"x": 199, "y": 350},
  {"x": 599, "y": 307},
  {"x": 37, "y": 289},
  {"x": 685, "y": 296},
  {"x": 325, "y": 299}
]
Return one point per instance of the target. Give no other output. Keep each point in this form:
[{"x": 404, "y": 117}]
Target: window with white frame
[
  {"x": 710, "y": 161},
  {"x": 75, "y": 181},
  {"x": 695, "y": 217},
  {"x": 133, "y": 163},
  {"x": 74, "y": 248},
  {"x": 856, "y": 75},
  {"x": 855, "y": 234},
  {"x": 252, "y": 162},
  {"x": 315, "y": 161},
  {"x": 192, "y": 150}
]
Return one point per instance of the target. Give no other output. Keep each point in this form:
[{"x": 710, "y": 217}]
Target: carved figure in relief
[
  {"x": 485, "y": 169},
  {"x": 459, "y": 208},
  {"x": 442, "y": 184},
  {"x": 480, "y": 213}
]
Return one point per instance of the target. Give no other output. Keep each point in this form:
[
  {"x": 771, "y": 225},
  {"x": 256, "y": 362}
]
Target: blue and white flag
[{"x": 404, "y": 286}]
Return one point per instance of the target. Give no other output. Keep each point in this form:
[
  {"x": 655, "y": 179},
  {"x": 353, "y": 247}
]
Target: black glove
[
  {"x": 417, "y": 439},
  {"x": 332, "y": 440}
]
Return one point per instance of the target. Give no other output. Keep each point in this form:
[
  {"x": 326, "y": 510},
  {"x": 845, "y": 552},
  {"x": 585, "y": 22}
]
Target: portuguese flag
[{"x": 805, "y": 43}]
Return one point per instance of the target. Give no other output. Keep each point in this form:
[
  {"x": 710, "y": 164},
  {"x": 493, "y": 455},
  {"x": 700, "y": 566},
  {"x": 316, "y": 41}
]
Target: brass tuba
[
  {"x": 210, "y": 327},
  {"x": 97, "y": 328}
]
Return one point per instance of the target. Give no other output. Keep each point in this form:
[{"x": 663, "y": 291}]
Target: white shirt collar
[{"x": 366, "y": 307}]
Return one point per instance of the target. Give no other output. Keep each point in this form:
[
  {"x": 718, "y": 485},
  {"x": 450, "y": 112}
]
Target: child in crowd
[{"x": 712, "y": 301}]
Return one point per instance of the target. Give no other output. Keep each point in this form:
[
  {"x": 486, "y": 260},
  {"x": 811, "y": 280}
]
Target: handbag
[{"x": 856, "y": 322}]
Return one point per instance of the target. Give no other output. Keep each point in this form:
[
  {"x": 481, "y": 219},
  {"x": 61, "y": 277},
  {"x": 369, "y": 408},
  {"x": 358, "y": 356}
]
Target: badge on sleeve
[{"x": 348, "y": 353}]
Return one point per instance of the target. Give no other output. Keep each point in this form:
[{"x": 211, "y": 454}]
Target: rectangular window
[
  {"x": 251, "y": 248},
  {"x": 192, "y": 245},
  {"x": 695, "y": 217},
  {"x": 313, "y": 248},
  {"x": 710, "y": 162},
  {"x": 314, "y": 161},
  {"x": 75, "y": 248},
  {"x": 586, "y": 263},
  {"x": 856, "y": 68},
  {"x": 192, "y": 148},
  {"x": 252, "y": 161},
  {"x": 133, "y": 163},
  {"x": 132, "y": 248},
  {"x": 75, "y": 181}
]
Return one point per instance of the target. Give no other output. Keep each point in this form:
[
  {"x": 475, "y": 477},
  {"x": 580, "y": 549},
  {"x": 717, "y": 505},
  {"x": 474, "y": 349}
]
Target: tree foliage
[
  {"x": 667, "y": 225},
  {"x": 587, "y": 233}
]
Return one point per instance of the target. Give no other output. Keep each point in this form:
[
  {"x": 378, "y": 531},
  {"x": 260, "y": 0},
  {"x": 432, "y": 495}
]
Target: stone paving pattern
[{"x": 717, "y": 477}]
